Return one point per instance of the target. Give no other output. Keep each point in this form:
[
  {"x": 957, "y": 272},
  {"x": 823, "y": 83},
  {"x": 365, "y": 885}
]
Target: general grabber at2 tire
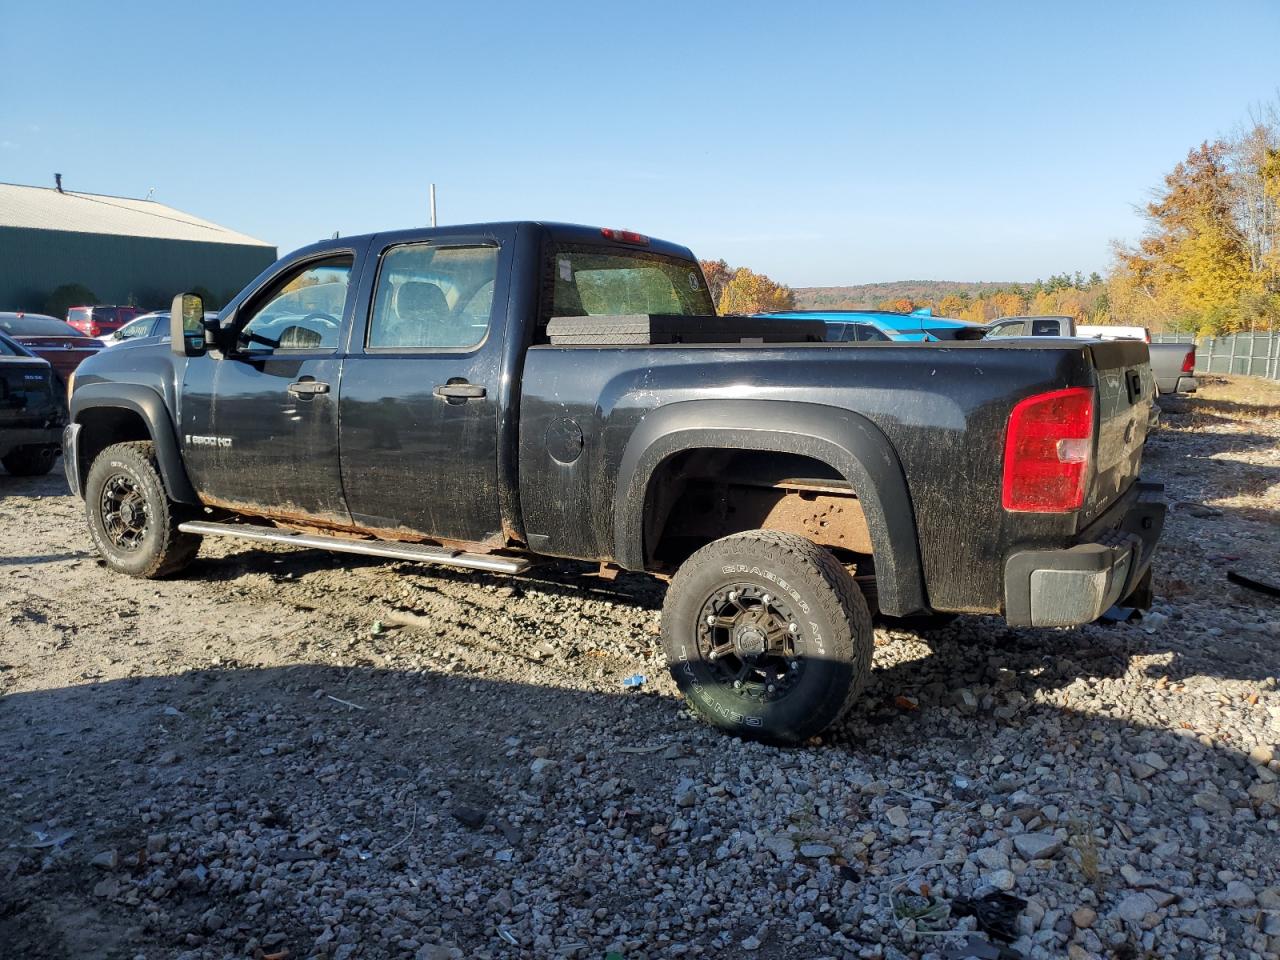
[
  {"x": 767, "y": 636},
  {"x": 133, "y": 522}
]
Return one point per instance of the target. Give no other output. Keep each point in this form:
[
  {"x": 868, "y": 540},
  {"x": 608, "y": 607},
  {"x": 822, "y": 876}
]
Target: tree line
[{"x": 742, "y": 290}]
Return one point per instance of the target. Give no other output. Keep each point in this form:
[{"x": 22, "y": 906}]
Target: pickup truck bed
[
  {"x": 405, "y": 395},
  {"x": 923, "y": 410}
]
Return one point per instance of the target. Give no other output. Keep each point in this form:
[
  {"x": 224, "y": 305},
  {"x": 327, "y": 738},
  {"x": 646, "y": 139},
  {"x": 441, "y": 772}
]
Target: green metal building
[{"x": 125, "y": 251}]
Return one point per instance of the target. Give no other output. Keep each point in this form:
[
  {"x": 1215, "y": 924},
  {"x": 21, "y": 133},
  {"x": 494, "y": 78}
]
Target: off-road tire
[
  {"x": 161, "y": 550},
  {"x": 33, "y": 460},
  {"x": 833, "y": 643}
]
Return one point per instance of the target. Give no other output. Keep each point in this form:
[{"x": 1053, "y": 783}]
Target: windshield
[
  {"x": 588, "y": 281},
  {"x": 37, "y": 327}
]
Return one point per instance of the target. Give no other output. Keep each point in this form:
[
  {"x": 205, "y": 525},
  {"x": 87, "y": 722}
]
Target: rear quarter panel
[{"x": 943, "y": 407}]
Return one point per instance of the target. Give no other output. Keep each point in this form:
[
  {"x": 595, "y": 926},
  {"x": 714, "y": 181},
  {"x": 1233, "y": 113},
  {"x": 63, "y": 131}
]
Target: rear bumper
[
  {"x": 71, "y": 457},
  {"x": 1111, "y": 563},
  {"x": 11, "y": 439}
]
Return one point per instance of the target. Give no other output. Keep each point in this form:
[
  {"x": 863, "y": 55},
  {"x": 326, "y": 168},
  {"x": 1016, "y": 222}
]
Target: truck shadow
[
  {"x": 562, "y": 579},
  {"x": 421, "y": 781}
]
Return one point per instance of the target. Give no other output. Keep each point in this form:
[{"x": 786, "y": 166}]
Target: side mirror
[{"x": 186, "y": 325}]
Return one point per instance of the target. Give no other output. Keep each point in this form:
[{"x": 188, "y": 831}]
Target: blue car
[{"x": 870, "y": 325}]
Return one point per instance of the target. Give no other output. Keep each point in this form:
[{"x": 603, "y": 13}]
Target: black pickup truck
[{"x": 486, "y": 395}]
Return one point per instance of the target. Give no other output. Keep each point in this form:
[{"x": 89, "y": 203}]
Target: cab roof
[{"x": 553, "y": 231}]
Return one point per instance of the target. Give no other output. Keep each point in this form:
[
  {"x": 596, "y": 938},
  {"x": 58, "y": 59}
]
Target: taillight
[
  {"x": 1046, "y": 452},
  {"x": 1189, "y": 361},
  {"x": 624, "y": 236},
  {"x": 93, "y": 329}
]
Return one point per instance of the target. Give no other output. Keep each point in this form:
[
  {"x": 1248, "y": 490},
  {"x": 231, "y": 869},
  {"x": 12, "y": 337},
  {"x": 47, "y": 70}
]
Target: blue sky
[{"x": 820, "y": 143}]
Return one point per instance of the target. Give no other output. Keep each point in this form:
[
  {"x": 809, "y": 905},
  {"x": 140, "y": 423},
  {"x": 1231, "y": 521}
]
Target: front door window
[{"x": 302, "y": 312}]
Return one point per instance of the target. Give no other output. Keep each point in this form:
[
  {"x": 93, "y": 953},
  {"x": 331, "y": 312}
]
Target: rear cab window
[
  {"x": 31, "y": 326},
  {"x": 585, "y": 280}
]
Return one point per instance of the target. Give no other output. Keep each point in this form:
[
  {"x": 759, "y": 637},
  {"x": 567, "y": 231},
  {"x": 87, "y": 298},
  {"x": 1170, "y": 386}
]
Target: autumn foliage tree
[
  {"x": 742, "y": 290},
  {"x": 1209, "y": 260}
]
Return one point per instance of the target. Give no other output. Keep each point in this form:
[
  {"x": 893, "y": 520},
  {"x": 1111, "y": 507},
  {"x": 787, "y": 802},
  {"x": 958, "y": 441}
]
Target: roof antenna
[
  {"x": 151, "y": 193},
  {"x": 57, "y": 181}
]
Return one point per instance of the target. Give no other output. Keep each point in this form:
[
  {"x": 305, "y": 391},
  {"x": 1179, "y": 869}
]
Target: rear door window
[
  {"x": 433, "y": 297},
  {"x": 131, "y": 331}
]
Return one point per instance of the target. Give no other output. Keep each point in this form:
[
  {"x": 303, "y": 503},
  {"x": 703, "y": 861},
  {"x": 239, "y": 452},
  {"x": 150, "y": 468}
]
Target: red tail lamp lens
[{"x": 1046, "y": 452}]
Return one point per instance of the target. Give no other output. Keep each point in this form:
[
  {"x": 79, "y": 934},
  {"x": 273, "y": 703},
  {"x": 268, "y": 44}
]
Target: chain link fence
[{"x": 1251, "y": 354}]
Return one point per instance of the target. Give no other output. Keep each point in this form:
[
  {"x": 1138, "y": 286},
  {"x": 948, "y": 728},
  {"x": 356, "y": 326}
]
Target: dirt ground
[{"x": 291, "y": 752}]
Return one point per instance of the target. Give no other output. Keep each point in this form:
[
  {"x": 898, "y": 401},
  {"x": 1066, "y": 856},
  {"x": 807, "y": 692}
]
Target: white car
[{"x": 148, "y": 325}]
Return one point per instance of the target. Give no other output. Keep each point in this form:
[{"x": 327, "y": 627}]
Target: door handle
[
  {"x": 460, "y": 391},
  {"x": 306, "y": 388}
]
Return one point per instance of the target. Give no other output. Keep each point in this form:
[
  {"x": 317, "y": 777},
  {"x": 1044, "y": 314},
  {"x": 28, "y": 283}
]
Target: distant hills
[{"x": 867, "y": 296}]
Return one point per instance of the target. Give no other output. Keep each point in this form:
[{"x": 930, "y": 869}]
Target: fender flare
[
  {"x": 149, "y": 405},
  {"x": 847, "y": 442}
]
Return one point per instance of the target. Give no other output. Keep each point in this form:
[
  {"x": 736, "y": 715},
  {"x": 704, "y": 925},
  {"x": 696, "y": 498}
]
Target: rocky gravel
[{"x": 291, "y": 754}]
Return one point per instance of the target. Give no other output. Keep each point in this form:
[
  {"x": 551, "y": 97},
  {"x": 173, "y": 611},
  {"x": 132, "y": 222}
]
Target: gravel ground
[{"x": 291, "y": 753}]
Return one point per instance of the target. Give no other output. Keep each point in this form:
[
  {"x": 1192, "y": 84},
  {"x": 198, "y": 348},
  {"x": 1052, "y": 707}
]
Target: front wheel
[
  {"x": 133, "y": 522},
  {"x": 767, "y": 636}
]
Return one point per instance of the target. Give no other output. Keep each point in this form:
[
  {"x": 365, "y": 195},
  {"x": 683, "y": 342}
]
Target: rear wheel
[
  {"x": 30, "y": 461},
  {"x": 133, "y": 522},
  {"x": 767, "y": 636}
]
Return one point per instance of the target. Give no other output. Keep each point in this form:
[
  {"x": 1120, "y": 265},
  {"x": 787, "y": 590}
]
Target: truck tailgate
[{"x": 1126, "y": 392}]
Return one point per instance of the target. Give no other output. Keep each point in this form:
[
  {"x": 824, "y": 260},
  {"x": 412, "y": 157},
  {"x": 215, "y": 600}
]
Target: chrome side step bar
[{"x": 420, "y": 552}]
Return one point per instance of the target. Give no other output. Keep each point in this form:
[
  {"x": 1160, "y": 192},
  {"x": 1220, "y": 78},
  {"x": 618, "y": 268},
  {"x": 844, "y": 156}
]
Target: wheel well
[
  {"x": 697, "y": 496},
  {"x": 104, "y": 426}
]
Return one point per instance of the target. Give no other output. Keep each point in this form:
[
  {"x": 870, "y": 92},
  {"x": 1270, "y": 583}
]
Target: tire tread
[
  {"x": 843, "y": 601},
  {"x": 176, "y": 549}
]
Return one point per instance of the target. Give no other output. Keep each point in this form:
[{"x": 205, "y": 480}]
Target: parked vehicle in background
[
  {"x": 33, "y": 411},
  {"x": 61, "y": 344},
  {"x": 98, "y": 320},
  {"x": 154, "y": 324},
  {"x": 1105, "y": 331},
  {"x": 877, "y": 325},
  {"x": 1032, "y": 327},
  {"x": 147, "y": 325},
  {"x": 1174, "y": 365},
  {"x": 484, "y": 395}
]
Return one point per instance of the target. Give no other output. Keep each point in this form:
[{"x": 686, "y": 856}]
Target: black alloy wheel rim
[
  {"x": 124, "y": 512},
  {"x": 748, "y": 638}
]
